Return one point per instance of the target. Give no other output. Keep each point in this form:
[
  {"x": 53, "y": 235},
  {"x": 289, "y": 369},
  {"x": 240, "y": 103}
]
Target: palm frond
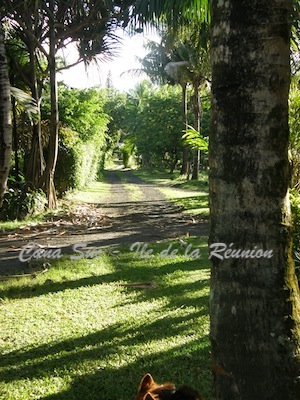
[
  {"x": 134, "y": 72},
  {"x": 174, "y": 12},
  {"x": 192, "y": 138},
  {"x": 27, "y": 102}
]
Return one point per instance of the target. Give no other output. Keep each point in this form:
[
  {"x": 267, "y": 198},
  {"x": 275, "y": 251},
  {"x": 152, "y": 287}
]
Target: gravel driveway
[{"x": 134, "y": 211}]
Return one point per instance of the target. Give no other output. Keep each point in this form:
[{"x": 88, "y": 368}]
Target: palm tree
[
  {"x": 5, "y": 119},
  {"x": 180, "y": 73},
  {"x": 174, "y": 13},
  {"x": 88, "y": 23},
  {"x": 164, "y": 64},
  {"x": 180, "y": 59},
  {"x": 195, "y": 57},
  {"x": 255, "y": 302}
]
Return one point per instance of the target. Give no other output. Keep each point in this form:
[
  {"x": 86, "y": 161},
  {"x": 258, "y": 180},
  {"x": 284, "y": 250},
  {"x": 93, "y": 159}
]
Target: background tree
[
  {"x": 181, "y": 58},
  {"x": 115, "y": 108},
  {"x": 56, "y": 23},
  {"x": 294, "y": 155},
  {"x": 171, "y": 61},
  {"x": 255, "y": 314},
  {"x": 5, "y": 119},
  {"x": 194, "y": 57},
  {"x": 179, "y": 72},
  {"x": 294, "y": 123},
  {"x": 157, "y": 134},
  {"x": 26, "y": 35}
]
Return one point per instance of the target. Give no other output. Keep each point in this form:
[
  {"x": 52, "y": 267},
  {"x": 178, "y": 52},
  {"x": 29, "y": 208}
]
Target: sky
[{"x": 131, "y": 47}]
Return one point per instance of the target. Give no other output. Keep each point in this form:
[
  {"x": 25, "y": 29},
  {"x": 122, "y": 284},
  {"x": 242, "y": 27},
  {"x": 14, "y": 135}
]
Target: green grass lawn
[{"x": 78, "y": 332}]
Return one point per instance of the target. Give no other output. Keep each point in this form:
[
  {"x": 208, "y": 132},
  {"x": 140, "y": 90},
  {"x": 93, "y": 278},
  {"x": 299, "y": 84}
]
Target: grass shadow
[{"x": 162, "y": 330}]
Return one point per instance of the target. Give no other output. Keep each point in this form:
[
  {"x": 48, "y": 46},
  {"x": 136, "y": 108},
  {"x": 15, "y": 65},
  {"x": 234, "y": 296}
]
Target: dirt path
[{"x": 134, "y": 211}]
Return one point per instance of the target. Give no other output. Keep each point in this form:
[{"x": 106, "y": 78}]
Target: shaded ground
[{"x": 134, "y": 211}]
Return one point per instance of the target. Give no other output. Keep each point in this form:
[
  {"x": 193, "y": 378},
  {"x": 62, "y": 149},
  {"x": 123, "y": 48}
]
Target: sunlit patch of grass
[
  {"x": 191, "y": 202},
  {"x": 95, "y": 193},
  {"x": 190, "y": 195},
  {"x": 83, "y": 330},
  {"x": 173, "y": 180},
  {"x": 7, "y": 226}
]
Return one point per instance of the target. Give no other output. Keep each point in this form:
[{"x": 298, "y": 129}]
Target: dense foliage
[
  {"x": 294, "y": 152},
  {"x": 82, "y": 136},
  {"x": 148, "y": 124},
  {"x": 21, "y": 200},
  {"x": 154, "y": 127},
  {"x": 82, "y": 148}
]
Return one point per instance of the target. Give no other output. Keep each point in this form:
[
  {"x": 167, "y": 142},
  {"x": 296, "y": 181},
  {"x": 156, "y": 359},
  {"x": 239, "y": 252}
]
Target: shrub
[
  {"x": 21, "y": 200},
  {"x": 295, "y": 206},
  {"x": 65, "y": 173},
  {"x": 82, "y": 138}
]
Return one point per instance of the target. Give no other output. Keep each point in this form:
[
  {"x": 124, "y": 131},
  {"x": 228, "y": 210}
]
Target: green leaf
[
  {"x": 27, "y": 102},
  {"x": 192, "y": 139}
]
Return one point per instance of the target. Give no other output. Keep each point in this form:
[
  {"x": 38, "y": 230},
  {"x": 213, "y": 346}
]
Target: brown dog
[{"x": 150, "y": 390}]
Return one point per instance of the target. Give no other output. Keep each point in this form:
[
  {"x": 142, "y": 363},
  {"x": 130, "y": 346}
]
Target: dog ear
[{"x": 146, "y": 382}]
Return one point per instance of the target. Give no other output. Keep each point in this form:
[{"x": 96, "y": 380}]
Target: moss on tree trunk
[{"x": 254, "y": 301}]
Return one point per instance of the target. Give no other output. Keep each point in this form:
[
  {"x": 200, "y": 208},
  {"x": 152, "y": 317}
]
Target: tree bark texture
[
  {"x": 254, "y": 302},
  {"x": 48, "y": 177},
  {"x": 5, "y": 119}
]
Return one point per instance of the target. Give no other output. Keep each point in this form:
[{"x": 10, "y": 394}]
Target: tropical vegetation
[{"x": 213, "y": 102}]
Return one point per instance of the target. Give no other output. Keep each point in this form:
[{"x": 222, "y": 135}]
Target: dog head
[{"x": 150, "y": 390}]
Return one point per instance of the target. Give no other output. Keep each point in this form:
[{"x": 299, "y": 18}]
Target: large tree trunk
[
  {"x": 48, "y": 177},
  {"x": 255, "y": 310},
  {"x": 5, "y": 119}
]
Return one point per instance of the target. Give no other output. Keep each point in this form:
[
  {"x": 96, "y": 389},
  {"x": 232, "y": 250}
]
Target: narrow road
[
  {"x": 134, "y": 211},
  {"x": 150, "y": 216}
]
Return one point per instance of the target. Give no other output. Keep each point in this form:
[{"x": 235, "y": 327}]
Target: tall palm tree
[
  {"x": 255, "y": 300},
  {"x": 195, "y": 55},
  {"x": 180, "y": 73},
  {"x": 165, "y": 63},
  {"x": 182, "y": 58},
  {"x": 5, "y": 119}
]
